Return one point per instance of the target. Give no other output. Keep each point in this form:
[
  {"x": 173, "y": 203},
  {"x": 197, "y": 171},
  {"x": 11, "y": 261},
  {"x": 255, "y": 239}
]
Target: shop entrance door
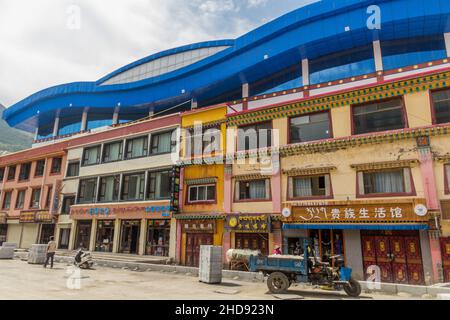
[
  {"x": 47, "y": 230},
  {"x": 83, "y": 237},
  {"x": 193, "y": 243},
  {"x": 129, "y": 242},
  {"x": 445, "y": 250},
  {"x": 397, "y": 255},
  {"x": 3, "y": 233}
]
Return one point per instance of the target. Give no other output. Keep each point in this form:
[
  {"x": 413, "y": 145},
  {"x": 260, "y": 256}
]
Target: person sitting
[{"x": 276, "y": 250}]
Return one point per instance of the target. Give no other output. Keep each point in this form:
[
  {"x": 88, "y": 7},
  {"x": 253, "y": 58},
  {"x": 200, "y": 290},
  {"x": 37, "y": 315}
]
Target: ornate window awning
[
  {"x": 251, "y": 176},
  {"x": 308, "y": 171},
  {"x": 385, "y": 165},
  {"x": 210, "y": 180}
]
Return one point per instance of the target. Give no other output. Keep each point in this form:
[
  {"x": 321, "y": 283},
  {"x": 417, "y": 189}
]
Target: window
[
  {"x": 441, "y": 105},
  {"x": 56, "y": 165},
  {"x": 159, "y": 185},
  {"x": 20, "y": 201},
  {"x": 393, "y": 181},
  {"x": 133, "y": 186},
  {"x": 310, "y": 128},
  {"x": 40, "y": 167},
  {"x": 11, "y": 173},
  {"x": 87, "y": 191},
  {"x": 7, "y": 200},
  {"x": 68, "y": 201},
  {"x": 253, "y": 190},
  {"x": 447, "y": 178},
  {"x": 48, "y": 199},
  {"x": 206, "y": 142},
  {"x": 162, "y": 143},
  {"x": 73, "y": 169},
  {"x": 112, "y": 152},
  {"x": 158, "y": 236},
  {"x": 313, "y": 186},
  {"x": 35, "y": 198},
  {"x": 136, "y": 147},
  {"x": 91, "y": 156},
  {"x": 255, "y": 137},
  {"x": 109, "y": 189},
  {"x": 202, "y": 193},
  {"x": 381, "y": 116},
  {"x": 2, "y": 174},
  {"x": 25, "y": 169}
]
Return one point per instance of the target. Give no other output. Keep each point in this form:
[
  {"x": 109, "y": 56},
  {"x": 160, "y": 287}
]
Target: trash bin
[{"x": 37, "y": 254}]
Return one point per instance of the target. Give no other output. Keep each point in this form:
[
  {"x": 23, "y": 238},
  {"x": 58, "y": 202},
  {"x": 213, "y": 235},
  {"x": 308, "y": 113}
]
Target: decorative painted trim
[
  {"x": 445, "y": 158},
  {"x": 308, "y": 171},
  {"x": 208, "y": 125},
  {"x": 252, "y": 176},
  {"x": 363, "y": 95},
  {"x": 201, "y": 181},
  {"x": 384, "y": 165},
  {"x": 200, "y": 216}
]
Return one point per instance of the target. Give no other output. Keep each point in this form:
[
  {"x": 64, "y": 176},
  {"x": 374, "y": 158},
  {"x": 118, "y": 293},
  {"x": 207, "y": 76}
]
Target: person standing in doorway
[{"x": 51, "y": 249}]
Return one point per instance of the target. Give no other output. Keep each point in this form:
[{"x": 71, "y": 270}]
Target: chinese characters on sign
[
  {"x": 246, "y": 223},
  {"x": 357, "y": 213},
  {"x": 202, "y": 226}
]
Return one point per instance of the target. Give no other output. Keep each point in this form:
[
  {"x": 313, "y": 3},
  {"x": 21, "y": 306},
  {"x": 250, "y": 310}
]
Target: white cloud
[{"x": 38, "y": 50}]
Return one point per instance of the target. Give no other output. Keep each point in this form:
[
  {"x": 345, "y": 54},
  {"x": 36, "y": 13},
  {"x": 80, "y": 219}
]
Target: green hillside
[{"x": 12, "y": 140}]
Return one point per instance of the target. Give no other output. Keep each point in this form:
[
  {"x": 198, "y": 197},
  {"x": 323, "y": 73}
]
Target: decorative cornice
[
  {"x": 355, "y": 141},
  {"x": 207, "y": 125},
  {"x": 251, "y": 176},
  {"x": 308, "y": 171},
  {"x": 384, "y": 165},
  {"x": 201, "y": 181},
  {"x": 365, "y": 95},
  {"x": 444, "y": 158}
]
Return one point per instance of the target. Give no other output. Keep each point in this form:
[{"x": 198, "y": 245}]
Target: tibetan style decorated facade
[{"x": 318, "y": 125}]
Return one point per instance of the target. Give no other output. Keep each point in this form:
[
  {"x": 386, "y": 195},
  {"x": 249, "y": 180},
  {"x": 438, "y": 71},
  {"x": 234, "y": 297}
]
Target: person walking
[{"x": 51, "y": 249}]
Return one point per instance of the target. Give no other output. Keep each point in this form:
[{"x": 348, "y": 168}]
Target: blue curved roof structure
[{"x": 322, "y": 28}]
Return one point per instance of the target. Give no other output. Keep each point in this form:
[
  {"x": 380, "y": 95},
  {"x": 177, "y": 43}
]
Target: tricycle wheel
[
  {"x": 353, "y": 288},
  {"x": 278, "y": 282}
]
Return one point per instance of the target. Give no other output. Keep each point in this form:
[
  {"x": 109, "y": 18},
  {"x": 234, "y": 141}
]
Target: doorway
[
  {"x": 105, "y": 236},
  {"x": 396, "y": 253},
  {"x": 193, "y": 243},
  {"x": 3, "y": 233},
  {"x": 83, "y": 237},
  {"x": 47, "y": 231},
  {"x": 129, "y": 241},
  {"x": 445, "y": 250},
  {"x": 64, "y": 236}
]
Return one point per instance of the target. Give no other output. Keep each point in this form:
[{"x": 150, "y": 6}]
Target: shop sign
[
  {"x": 200, "y": 226},
  {"x": 163, "y": 211},
  {"x": 362, "y": 213},
  {"x": 2, "y": 218},
  {"x": 175, "y": 189},
  {"x": 27, "y": 217},
  {"x": 43, "y": 217},
  {"x": 249, "y": 223}
]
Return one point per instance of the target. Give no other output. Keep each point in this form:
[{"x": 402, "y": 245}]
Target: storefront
[
  {"x": 36, "y": 227},
  {"x": 197, "y": 230},
  {"x": 64, "y": 237},
  {"x": 368, "y": 234},
  {"x": 3, "y": 228},
  {"x": 105, "y": 236},
  {"x": 250, "y": 231},
  {"x": 445, "y": 250},
  {"x": 124, "y": 228}
]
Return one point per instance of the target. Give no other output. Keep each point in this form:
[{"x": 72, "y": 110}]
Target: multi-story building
[
  {"x": 349, "y": 102},
  {"x": 202, "y": 209},
  {"x": 117, "y": 194},
  {"x": 31, "y": 181}
]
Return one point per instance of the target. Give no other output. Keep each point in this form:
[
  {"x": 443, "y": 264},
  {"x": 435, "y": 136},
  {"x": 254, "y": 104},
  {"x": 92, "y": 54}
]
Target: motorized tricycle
[{"x": 283, "y": 271}]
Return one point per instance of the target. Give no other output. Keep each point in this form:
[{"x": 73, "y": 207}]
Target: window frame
[
  {"x": 121, "y": 152},
  {"x": 71, "y": 163},
  {"x": 2, "y": 174},
  {"x": 291, "y": 197},
  {"x": 48, "y": 197},
  {"x": 36, "y": 173},
  {"x": 99, "y": 156},
  {"x": 65, "y": 197},
  {"x": 5, "y": 193},
  {"x": 8, "y": 179},
  {"x": 385, "y": 195},
  {"x": 52, "y": 167},
  {"x": 99, "y": 188},
  {"x": 270, "y": 122},
  {"x": 147, "y": 185},
  {"x": 268, "y": 197},
  {"x": 403, "y": 109},
  {"x": 127, "y": 141},
  {"x": 446, "y": 178},
  {"x": 122, "y": 186},
  {"x": 29, "y": 164},
  {"x": 94, "y": 197},
  {"x": 330, "y": 127},
  {"x": 188, "y": 194},
  {"x": 32, "y": 202},
  {"x": 173, "y": 144},
  {"x": 433, "y": 109},
  {"x": 19, "y": 191}
]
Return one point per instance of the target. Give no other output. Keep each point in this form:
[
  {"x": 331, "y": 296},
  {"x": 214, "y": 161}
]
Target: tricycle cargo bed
[{"x": 280, "y": 264}]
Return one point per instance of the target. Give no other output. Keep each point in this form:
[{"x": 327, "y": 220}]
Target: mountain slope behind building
[{"x": 12, "y": 140}]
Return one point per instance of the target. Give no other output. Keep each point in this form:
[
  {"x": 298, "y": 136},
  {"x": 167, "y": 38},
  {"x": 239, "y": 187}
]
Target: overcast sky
[{"x": 42, "y": 44}]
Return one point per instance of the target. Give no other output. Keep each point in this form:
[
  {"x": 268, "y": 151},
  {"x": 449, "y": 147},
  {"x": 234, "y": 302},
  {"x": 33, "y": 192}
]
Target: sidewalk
[{"x": 139, "y": 263}]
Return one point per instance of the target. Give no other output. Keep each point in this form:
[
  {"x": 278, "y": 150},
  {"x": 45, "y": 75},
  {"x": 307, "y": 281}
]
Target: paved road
[{"x": 20, "y": 280}]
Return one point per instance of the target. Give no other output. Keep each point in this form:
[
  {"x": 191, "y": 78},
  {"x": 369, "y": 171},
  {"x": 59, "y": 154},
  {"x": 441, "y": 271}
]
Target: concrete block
[
  {"x": 37, "y": 254},
  {"x": 9, "y": 245},
  {"x": 6, "y": 253}
]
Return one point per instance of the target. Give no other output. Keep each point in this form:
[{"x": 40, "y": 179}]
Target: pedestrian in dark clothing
[{"x": 51, "y": 249}]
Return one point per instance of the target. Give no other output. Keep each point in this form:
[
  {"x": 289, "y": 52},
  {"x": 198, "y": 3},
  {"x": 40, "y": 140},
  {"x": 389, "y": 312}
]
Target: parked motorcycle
[{"x": 83, "y": 259}]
